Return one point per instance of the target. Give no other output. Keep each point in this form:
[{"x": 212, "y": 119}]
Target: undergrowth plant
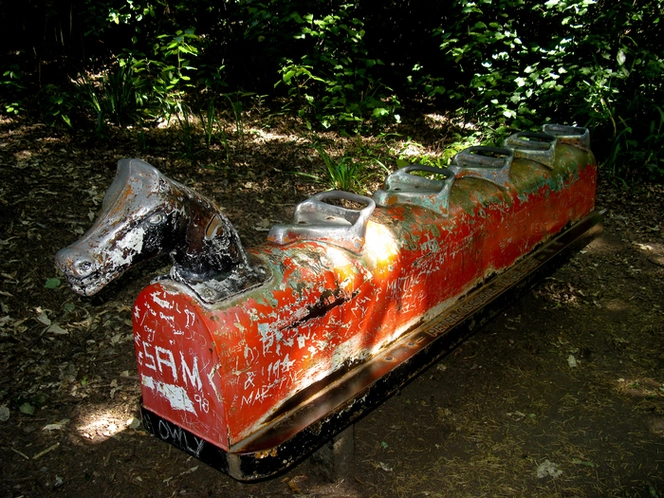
[
  {"x": 501, "y": 65},
  {"x": 13, "y": 86},
  {"x": 343, "y": 173},
  {"x": 118, "y": 97},
  {"x": 581, "y": 62},
  {"x": 334, "y": 79}
]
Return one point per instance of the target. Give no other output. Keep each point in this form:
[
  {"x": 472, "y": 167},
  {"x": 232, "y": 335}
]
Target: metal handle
[
  {"x": 317, "y": 220},
  {"x": 401, "y": 187},
  {"x": 538, "y": 147},
  {"x": 488, "y": 163},
  {"x": 572, "y": 135}
]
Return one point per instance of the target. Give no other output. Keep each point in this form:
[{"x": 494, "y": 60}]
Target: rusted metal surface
[
  {"x": 229, "y": 372},
  {"x": 344, "y": 305}
]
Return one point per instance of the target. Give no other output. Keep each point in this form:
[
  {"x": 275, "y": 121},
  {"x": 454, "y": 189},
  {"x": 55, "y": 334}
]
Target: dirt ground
[{"x": 562, "y": 395}]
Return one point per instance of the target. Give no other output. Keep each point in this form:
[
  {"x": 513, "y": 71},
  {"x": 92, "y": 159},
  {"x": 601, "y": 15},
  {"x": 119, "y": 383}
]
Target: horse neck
[{"x": 210, "y": 246}]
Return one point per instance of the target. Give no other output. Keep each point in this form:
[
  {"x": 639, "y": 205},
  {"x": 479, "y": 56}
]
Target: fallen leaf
[
  {"x": 54, "y": 328},
  {"x": 27, "y": 408},
  {"x": 56, "y": 426},
  {"x": 547, "y": 469},
  {"x": 43, "y": 318},
  {"x": 53, "y": 283}
]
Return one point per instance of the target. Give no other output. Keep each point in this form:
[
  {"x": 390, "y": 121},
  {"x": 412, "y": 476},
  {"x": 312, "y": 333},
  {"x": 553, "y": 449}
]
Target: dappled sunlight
[
  {"x": 653, "y": 251},
  {"x": 408, "y": 149},
  {"x": 645, "y": 388},
  {"x": 437, "y": 119},
  {"x": 616, "y": 305},
  {"x": 270, "y": 135},
  {"x": 103, "y": 423}
]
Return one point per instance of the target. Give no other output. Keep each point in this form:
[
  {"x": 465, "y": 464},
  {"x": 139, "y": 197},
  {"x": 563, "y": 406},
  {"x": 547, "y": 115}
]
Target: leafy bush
[
  {"x": 118, "y": 98},
  {"x": 334, "y": 75},
  {"x": 501, "y": 65},
  {"x": 13, "y": 87},
  {"x": 587, "y": 62}
]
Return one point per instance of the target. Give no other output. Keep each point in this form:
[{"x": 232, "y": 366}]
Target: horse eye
[{"x": 156, "y": 218}]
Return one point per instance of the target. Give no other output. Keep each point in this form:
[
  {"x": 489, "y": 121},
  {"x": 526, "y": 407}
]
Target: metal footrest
[
  {"x": 571, "y": 135},
  {"x": 402, "y": 187},
  {"x": 488, "y": 163},
  {"x": 538, "y": 147},
  {"x": 318, "y": 220}
]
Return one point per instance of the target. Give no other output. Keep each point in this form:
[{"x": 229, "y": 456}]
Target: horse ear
[{"x": 214, "y": 227}]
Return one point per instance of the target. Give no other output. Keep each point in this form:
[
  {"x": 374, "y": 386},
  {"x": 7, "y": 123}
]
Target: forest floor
[{"x": 562, "y": 395}]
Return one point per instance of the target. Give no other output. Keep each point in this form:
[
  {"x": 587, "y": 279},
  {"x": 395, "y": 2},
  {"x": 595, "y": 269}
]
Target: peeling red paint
[{"x": 222, "y": 371}]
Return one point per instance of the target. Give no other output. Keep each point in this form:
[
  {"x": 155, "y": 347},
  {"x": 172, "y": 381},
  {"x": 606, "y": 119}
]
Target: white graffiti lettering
[
  {"x": 165, "y": 357},
  {"x": 191, "y": 373},
  {"x": 180, "y": 438}
]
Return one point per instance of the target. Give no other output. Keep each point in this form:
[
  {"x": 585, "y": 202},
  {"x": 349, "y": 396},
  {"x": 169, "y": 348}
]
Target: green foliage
[
  {"x": 593, "y": 63},
  {"x": 461, "y": 141},
  {"x": 56, "y": 105},
  {"x": 333, "y": 80},
  {"x": 119, "y": 97},
  {"x": 642, "y": 150},
  {"x": 13, "y": 86},
  {"x": 353, "y": 170},
  {"x": 500, "y": 65},
  {"x": 53, "y": 283}
]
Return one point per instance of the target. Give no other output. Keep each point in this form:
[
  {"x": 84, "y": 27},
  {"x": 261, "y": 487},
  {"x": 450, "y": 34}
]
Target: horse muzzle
[{"x": 85, "y": 273}]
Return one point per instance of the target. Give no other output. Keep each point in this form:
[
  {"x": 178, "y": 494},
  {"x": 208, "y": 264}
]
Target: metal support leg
[{"x": 335, "y": 459}]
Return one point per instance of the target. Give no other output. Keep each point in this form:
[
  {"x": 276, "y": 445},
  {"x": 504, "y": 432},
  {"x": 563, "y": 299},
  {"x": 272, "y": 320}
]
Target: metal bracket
[
  {"x": 572, "y": 135},
  {"x": 538, "y": 147},
  {"x": 317, "y": 220},
  {"x": 401, "y": 187},
  {"x": 488, "y": 163}
]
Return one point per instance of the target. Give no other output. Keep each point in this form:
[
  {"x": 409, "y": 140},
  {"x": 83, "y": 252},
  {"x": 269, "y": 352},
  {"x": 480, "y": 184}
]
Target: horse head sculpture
[{"x": 145, "y": 214}]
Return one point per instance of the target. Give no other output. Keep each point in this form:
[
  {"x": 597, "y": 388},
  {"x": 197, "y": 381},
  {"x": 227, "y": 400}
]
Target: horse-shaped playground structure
[{"x": 250, "y": 361}]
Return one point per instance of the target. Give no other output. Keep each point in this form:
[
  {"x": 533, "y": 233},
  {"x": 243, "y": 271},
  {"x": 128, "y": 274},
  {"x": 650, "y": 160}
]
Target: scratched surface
[
  {"x": 223, "y": 371},
  {"x": 145, "y": 214}
]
